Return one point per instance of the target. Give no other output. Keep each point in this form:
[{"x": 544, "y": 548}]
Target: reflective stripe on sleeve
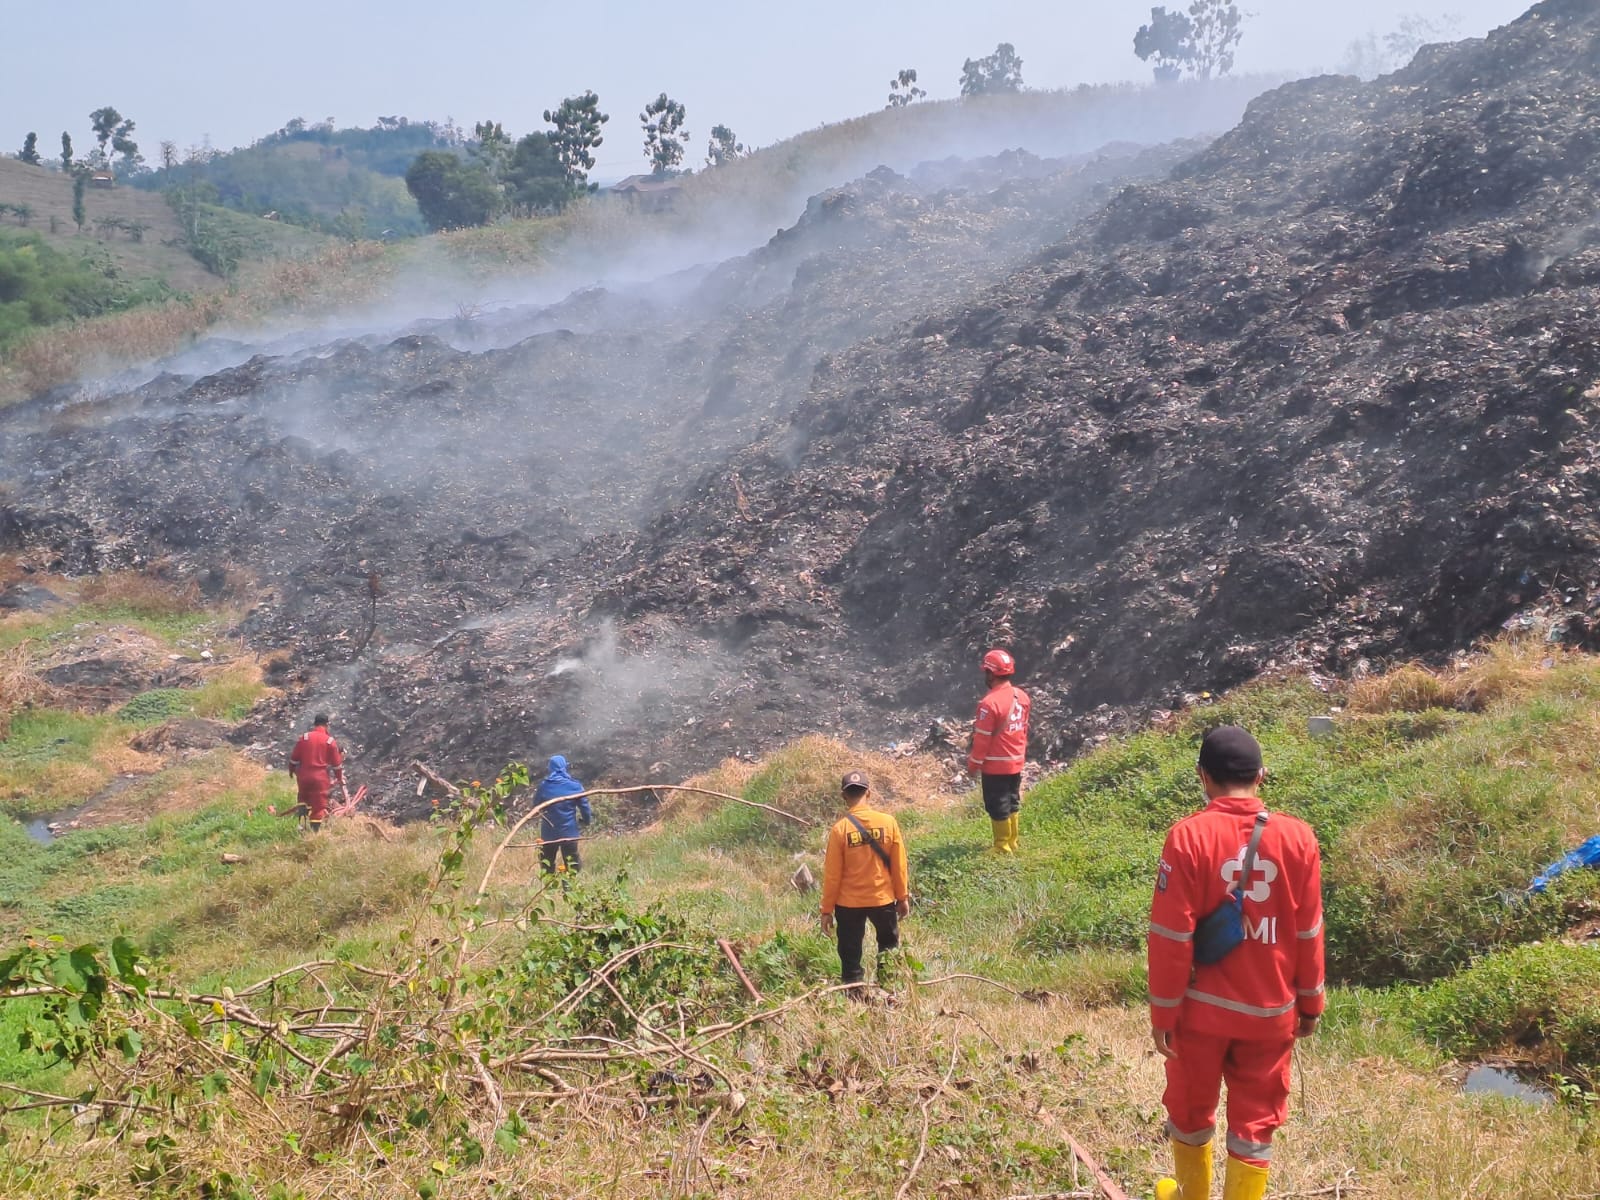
[
  {"x": 1312, "y": 932},
  {"x": 1171, "y": 933},
  {"x": 1249, "y": 1010},
  {"x": 1316, "y": 991},
  {"x": 1159, "y": 1002}
]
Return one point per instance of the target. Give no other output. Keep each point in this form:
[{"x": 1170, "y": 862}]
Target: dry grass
[
  {"x": 142, "y": 593},
  {"x": 830, "y": 1075},
  {"x": 20, "y": 686},
  {"x": 341, "y": 276},
  {"x": 803, "y": 778},
  {"x": 1505, "y": 669}
]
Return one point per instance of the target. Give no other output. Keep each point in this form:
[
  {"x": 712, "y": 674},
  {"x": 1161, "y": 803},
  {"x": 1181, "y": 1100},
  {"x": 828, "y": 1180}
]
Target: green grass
[
  {"x": 48, "y": 762},
  {"x": 167, "y": 626},
  {"x": 1419, "y": 813},
  {"x": 41, "y": 286},
  {"x": 1537, "y": 1001},
  {"x": 1430, "y": 822}
]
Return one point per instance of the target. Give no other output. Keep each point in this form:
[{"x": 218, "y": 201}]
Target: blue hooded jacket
[{"x": 559, "y": 822}]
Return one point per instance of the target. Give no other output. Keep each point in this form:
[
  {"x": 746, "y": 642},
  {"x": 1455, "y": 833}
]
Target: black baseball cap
[
  {"x": 1229, "y": 753},
  {"x": 854, "y": 781}
]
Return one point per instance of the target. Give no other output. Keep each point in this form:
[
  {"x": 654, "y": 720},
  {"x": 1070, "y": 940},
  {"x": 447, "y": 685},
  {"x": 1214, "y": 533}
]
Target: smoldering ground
[{"x": 745, "y": 463}]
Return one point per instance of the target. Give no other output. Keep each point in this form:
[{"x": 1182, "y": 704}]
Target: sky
[{"x": 189, "y": 71}]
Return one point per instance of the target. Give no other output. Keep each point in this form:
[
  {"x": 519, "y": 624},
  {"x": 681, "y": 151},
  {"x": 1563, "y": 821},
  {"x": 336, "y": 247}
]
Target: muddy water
[{"x": 1502, "y": 1081}]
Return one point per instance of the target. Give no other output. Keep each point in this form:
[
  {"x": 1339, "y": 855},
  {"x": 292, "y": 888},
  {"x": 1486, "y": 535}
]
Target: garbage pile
[{"x": 1320, "y": 393}]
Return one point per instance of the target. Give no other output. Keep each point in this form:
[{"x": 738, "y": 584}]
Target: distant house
[
  {"x": 102, "y": 179},
  {"x": 649, "y": 194}
]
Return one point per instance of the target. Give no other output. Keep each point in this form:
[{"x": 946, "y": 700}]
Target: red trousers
[
  {"x": 1257, "y": 1074},
  {"x": 316, "y": 802}
]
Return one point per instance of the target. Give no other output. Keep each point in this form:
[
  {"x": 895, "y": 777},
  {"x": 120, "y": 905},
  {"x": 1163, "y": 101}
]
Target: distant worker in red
[
  {"x": 317, "y": 764},
  {"x": 1000, "y": 748},
  {"x": 1235, "y": 961}
]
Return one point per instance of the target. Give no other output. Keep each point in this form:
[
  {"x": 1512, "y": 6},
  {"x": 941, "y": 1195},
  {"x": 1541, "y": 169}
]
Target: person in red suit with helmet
[
  {"x": 1235, "y": 1017},
  {"x": 1000, "y": 748},
  {"x": 317, "y": 764}
]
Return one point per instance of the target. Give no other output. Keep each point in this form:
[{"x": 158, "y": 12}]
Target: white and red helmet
[{"x": 998, "y": 662}]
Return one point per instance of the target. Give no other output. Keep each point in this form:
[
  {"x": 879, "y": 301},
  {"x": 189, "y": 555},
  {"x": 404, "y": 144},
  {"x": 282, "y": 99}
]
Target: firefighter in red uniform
[
  {"x": 317, "y": 763},
  {"x": 1000, "y": 748},
  {"x": 1236, "y": 1018}
]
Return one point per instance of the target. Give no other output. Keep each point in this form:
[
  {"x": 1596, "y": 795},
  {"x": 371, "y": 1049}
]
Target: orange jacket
[
  {"x": 316, "y": 762},
  {"x": 1276, "y": 972},
  {"x": 852, "y": 873},
  {"x": 1000, "y": 731}
]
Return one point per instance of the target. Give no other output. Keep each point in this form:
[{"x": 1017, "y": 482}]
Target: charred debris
[{"x": 1318, "y": 393}]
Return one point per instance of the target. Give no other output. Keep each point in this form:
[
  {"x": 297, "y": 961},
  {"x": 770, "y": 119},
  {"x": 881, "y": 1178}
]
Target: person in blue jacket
[{"x": 558, "y": 824}]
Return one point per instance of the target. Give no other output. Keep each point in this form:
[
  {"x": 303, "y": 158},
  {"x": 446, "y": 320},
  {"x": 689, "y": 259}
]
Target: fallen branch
[
  {"x": 922, "y": 1141},
  {"x": 738, "y": 969},
  {"x": 1107, "y": 1184},
  {"x": 434, "y": 778},
  {"x": 1036, "y": 997}
]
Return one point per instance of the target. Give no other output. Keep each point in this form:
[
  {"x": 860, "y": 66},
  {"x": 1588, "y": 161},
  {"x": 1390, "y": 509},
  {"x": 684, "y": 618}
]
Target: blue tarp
[{"x": 1586, "y": 855}]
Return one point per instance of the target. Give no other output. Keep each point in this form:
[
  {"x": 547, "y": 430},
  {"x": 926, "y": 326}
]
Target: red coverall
[
  {"x": 315, "y": 764},
  {"x": 1235, "y": 1019}
]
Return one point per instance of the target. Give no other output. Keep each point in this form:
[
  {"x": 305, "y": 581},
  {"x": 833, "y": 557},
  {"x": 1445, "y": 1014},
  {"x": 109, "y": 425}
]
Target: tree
[
  {"x": 492, "y": 148},
  {"x": 1218, "y": 26},
  {"x": 662, "y": 120},
  {"x": 1201, "y": 41},
  {"x": 80, "y": 186},
  {"x": 124, "y": 145},
  {"x": 724, "y": 147},
  {"x": 903, "y": 89},
  {"x": 576, "y": 135},
  {"x": 30, "y": 150},
  {"x": 112, "y": 127},
  {"x": 450, "y": 193},
  {"x": 66, "y": 151},
  {"x": 535, "y": 180},
  {"x": 1370, "y": 56},
  {"x": 1167, "y": 39},
  {"x": 997, "y": 73}
]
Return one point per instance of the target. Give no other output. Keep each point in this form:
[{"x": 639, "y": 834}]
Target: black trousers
[
  {"x": 852, "y": 923},
  {"x": 567, "y": 850},
  {"x": 1002, "y": 795}
]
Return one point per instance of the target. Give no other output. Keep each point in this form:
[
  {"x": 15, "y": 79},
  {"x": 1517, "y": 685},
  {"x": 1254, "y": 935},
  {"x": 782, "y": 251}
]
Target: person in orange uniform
[
  {"x": 1236, "y": 1018},
  {"x": 864, "y": 878},
  {"x": 1000, "y": 748},
  {"x": 316, "y": 764}
]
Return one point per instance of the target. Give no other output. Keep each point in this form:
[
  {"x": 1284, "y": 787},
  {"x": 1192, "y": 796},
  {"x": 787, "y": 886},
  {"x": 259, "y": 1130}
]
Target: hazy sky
[{"x": 187, "y": 69}]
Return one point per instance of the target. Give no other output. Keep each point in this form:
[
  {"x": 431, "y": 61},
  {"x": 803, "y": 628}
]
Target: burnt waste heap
[{"x": 1317, "y": 392}]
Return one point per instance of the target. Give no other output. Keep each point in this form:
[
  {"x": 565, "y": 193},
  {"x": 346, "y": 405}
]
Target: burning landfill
[{"x": 1158, "y": 419}]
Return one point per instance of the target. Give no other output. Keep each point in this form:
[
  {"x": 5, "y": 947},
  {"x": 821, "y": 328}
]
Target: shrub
[
  {"x": 156, "y": 706},
  {"x": 1543, "y": 998}
]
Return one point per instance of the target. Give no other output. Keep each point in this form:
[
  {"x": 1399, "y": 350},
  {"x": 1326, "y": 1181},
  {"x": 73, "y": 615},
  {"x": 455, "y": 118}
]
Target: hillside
[
  {"x": 322, "y": 186},
  {"x": 1013, "y": 1020},
  {"x": 1008, "y": 399},
  {"x": 134, "y": 231}
]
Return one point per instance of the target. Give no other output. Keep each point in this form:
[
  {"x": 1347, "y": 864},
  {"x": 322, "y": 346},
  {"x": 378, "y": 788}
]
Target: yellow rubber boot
[
  {"x": 1015, "y": 834},
  {"x": 1002, "y": 835},
  {"x": 1244, "y": 1181},
  {"x": 1192, "y": 1167}
]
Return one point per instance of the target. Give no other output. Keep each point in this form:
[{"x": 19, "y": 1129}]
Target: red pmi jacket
[
  {"x": 1000, "y": 731},
  {"x": 1257, "y": 991},
  {"x": 316, "y": 761}
]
